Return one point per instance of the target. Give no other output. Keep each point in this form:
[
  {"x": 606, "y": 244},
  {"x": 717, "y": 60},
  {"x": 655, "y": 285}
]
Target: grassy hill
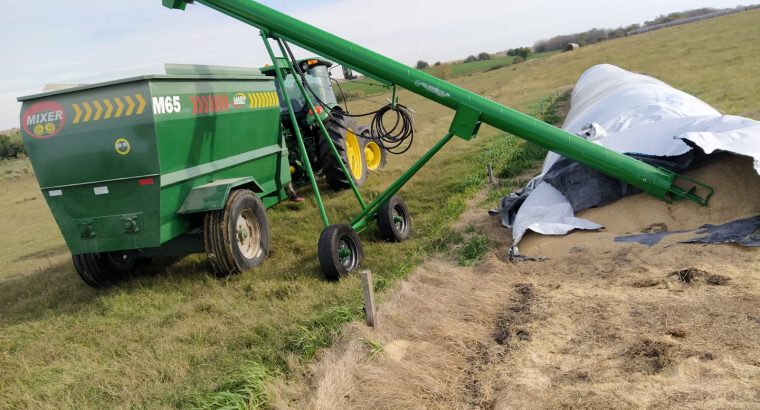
[
  {"x": 178, "y": 337},
  {"x": 368, "y": 87}
]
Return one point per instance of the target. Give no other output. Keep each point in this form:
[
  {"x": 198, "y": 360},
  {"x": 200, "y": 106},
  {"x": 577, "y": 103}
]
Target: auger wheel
[{"x": 340, "y": 251}]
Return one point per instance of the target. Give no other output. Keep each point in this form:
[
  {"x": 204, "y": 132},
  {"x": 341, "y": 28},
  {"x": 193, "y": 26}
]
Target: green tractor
[{"x": 358, "y": 151}]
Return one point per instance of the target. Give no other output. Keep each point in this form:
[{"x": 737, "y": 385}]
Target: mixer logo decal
[
  {"x": 207, "y": 104},
  {"x": 239, "y": 100},
  {"x": 44, "y": 119}
]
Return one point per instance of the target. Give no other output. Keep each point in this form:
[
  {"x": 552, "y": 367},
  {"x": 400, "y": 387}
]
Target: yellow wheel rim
[
  {"x": 354, "y": 154},
  {"x": 374, "y": 155}
]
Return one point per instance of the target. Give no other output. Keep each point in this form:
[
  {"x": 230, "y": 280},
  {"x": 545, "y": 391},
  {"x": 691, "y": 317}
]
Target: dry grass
[
  {"x": 179, "y": 338},
  {"x": 599, "y": 325}
]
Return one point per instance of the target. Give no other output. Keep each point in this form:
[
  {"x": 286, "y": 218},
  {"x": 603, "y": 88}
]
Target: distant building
[{"x": 572, "y": 47}]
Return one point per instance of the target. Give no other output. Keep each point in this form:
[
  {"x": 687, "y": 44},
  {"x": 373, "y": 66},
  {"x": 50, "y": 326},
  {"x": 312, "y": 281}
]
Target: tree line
[
  {"x": 521, "y": 54},
  {"x": 597, "y": 35}
]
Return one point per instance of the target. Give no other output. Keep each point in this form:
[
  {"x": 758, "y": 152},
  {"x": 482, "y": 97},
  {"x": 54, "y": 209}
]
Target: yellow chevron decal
[
  {"x": 259, "y": 100},
  {"x": 78, "y": 113},
  {"x": 87, "y": 111},
  {"x": 119, "y": 106},
  {"x": 140, "y": 104},
  {"x": 98, "y": 110},
  {"x": 109, "y": 108},
  {"x": 130, "y": 105}
]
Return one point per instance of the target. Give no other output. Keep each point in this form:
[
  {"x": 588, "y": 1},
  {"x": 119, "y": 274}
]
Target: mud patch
[
  {"x": 516, "y": 314},
  {"x": 648, "y": 357},
  {"x": 717, "y": 280},
  {"x": 689, "y": 275},
  {"x": 692, "y": 276},
  {"x": 677, "y": 333},
  {"x": 655, "y": 228},
  {"x": 508, "y": 332},
  {"x": 646, "y": 283}
]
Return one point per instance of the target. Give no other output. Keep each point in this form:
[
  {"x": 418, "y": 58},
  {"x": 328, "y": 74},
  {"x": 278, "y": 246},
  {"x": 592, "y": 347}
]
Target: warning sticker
[{"x": 122, "y": 146}]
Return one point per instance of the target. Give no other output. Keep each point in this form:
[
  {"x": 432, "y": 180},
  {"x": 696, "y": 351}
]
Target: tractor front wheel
[
  {"x": 394, "y": 220},
  {"x": 237, "y": 237},
  {"x": 340, "y": 251},
  {"x": 373, "y": 153}
]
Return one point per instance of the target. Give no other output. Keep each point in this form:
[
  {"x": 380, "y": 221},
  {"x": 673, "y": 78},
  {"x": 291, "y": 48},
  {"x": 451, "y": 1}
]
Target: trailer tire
[
  {"x": 351, "y": 149},
  {"x": 340, "y": 251},
  {"x": 237, "y": 237},
  {"x": 394, "y": 220},
  {"x": 104, "y": 269}
]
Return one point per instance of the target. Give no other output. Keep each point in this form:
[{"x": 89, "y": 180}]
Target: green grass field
[{"x": 178, "y": 337}]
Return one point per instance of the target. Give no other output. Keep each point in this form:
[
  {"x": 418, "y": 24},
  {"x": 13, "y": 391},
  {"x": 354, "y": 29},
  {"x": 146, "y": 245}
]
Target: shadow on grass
[{"x": 58, "y": 290}]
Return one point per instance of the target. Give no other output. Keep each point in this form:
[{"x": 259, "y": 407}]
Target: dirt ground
[{"x": 599, "y": 325}]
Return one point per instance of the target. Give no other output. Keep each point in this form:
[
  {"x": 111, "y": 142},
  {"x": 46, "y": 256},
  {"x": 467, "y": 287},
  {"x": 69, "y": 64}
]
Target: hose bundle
[{"x": 396, "y": 139}]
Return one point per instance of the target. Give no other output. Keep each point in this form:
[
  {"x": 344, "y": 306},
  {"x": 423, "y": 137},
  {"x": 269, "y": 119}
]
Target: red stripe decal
[{"x": 195, "y": 104}]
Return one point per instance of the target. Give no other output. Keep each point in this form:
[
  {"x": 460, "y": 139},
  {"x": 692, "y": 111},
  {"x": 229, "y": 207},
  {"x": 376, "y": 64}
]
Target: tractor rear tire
[
  {"x": 104, "y": 269},
  {"x": 340, "y": 251},
  {"x": 237, "y": 237},
  {"x": 351, "y": 150},
  {"x": 394, "y": 220}
]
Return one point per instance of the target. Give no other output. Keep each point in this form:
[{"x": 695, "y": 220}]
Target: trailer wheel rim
[
  {"x": 354, "y": 155},
  {"x": 400, "y": 219},
  {"x": 374, "y": 155},
  {"x": 347, "y": 253},
  {"x": 248, "y": 234}
]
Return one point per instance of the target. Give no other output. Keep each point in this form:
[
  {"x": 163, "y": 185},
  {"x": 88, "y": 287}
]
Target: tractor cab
[{"x": 319, "y": 83}]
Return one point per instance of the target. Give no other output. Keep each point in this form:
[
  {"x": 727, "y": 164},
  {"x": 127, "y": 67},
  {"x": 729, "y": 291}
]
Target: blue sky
[{"x": 82, "y": 41}]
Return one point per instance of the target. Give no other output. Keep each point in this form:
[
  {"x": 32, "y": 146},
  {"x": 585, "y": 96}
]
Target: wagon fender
[{"x": 213, "y": 196}]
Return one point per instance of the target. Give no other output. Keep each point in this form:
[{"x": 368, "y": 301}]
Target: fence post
[{"x": 369, "y": 298}]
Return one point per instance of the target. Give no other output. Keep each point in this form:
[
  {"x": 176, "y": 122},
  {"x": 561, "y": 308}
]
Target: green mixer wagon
[{"x": 157, "y": 165}]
